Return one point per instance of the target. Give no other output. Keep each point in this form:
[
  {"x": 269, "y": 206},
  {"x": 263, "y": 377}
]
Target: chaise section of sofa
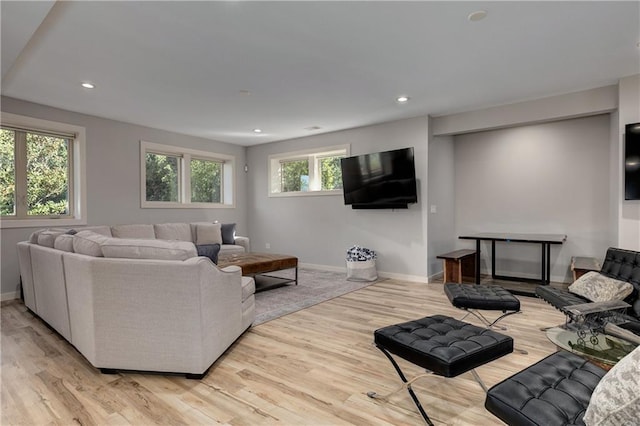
[{"x": 134, "y": 302}]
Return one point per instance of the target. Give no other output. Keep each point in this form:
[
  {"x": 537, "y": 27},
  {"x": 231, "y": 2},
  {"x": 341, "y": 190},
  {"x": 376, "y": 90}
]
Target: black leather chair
[
  {"x": 554, "y": 391},
  {"x": 620, "y": 264}
]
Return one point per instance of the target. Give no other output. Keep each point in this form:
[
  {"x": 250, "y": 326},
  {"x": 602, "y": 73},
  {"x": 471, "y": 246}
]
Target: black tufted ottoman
[
  {"x": 442, "y": 345},
  {"x": 482, "y": 297},
  {"x": 554, "y": 391}
]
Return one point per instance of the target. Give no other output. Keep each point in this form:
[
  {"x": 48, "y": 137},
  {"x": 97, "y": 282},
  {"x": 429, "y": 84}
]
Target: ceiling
[{"x": 218, "y": 70}]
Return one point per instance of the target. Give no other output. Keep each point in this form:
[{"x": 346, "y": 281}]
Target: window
[
  {"x": 182, "y": 178},
  {"x": 162, "y": 177},
  {"x": 41, "y": 172},
  {"x": 311, "y": 172},
  {"x": 206, "y": 180}
]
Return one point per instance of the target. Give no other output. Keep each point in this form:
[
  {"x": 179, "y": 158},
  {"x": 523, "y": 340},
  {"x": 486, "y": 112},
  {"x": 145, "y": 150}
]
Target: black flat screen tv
[
  {"x": 381, "y": 180},
  {"x": 632, "y": 162}
]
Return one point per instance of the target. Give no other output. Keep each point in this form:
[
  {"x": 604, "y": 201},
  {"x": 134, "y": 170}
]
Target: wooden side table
[
  {"x": 582, "y": 265},
  {"x": 459, "y": 266}
]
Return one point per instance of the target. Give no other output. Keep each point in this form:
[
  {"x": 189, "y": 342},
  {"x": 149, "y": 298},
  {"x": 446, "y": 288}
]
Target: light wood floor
[{"x": 312, "y": 367}]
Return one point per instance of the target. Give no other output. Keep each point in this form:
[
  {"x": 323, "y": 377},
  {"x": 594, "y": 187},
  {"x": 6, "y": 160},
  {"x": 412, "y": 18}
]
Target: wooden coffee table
[{"x": 260, "y": 264}]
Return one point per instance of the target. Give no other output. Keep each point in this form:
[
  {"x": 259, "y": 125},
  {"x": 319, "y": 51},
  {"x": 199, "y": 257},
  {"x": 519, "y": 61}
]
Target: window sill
[
  {"x": 160, "y": 205},
  {"x": 305, "y": 194}
]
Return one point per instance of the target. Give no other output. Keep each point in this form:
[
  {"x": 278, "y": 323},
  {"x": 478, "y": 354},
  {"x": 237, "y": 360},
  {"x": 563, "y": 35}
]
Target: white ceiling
[{"x": 183, "y": 66}]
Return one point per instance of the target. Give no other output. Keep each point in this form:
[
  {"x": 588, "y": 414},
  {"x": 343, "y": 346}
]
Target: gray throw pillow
[
  {"x": 228, "y": 233},
  {"x": 209, "y": 250}
]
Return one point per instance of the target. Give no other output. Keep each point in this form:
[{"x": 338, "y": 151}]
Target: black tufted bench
[
  {"x": 554, "y": 391},
  {"x": 442, "y": 345},
  {"x": 482, "y": 297}
]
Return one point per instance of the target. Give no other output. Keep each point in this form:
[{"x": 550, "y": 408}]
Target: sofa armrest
[{"x": 244, "y": 242}]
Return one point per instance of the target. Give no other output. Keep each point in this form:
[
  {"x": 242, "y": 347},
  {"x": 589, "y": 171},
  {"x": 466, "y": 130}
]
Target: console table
[{"x": 545, "y": 241}]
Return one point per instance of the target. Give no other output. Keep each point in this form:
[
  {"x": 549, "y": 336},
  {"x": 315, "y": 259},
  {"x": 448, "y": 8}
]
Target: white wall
[
  {"x": 319, "y": 229},
  {"x": 629, "y": 211},
  {"x": 550, "y": 178},
  {"x": 113, "y": 178},
  {"x": 442, "y": 199}
]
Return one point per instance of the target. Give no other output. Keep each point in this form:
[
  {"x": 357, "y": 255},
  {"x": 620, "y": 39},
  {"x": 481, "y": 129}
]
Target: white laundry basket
[{"x": 361, "y": 264}]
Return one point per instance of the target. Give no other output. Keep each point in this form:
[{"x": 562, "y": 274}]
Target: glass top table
[{"x": 602, "y": 349}]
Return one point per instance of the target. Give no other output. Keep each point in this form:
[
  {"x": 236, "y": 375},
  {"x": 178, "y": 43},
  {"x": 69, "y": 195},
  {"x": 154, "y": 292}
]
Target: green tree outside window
[
  {"x": 46, "y": 190},
  {"x": 162, "y": 177},
  {"x": 206, "y": 181},
  {"x": 294, "y": 175}
]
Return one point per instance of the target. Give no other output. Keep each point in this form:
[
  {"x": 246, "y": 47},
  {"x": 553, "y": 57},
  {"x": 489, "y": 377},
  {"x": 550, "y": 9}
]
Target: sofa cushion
[
  {"x": 228, "y": 231},
  {"x": 48, "y": 237},
  {"x": 98, "y": 229},
  {"x": 600, "y": 288},
  {"x": 139, "y": 231},
  {"x": 231, "y": 248},
  {"x": 209, "y": 250},
  {"x": 173, "y": 231},
  {"x": 144, "y": 248},
  {"x": 208, "y": 233},
  {"x": 64, "y": 242},
  {"x": 88, "y": 242},
  {"x": 616, "y": 400}
]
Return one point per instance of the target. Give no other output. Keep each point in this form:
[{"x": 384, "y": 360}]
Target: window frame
[
  {"x": 77, "y": 188},
  {"x": 227, "y": 181},
  {"x": 274, "y": 187}
]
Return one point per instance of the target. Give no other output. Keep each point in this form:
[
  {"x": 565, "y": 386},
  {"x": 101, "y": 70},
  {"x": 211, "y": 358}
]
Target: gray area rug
[{"x": 314, "y": 286}]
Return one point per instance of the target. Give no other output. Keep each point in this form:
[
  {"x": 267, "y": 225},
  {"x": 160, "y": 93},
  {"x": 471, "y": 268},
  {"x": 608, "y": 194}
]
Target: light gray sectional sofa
[{"x": 130, "y": 300}]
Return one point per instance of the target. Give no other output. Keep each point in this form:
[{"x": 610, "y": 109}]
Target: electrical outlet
[
  {"x": 434, "y": 209},
  {"x": 267, "y": 246}
]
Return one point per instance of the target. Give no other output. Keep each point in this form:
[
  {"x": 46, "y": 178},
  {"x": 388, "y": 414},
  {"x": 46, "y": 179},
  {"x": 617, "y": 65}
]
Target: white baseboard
[
  {"x": 11, "y": 295},
  {"x": 393, "y": 275}
]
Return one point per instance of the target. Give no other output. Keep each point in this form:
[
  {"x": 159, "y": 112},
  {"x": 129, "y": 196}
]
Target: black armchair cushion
[
  {"x": 483, "y": 297},
  {"x": 554, "y": 391},
  {"x": 559, "y": 298}
]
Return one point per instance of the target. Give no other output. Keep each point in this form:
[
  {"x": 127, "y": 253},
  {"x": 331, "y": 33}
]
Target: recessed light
[
  {"x": 478, "y": 15},
  {"x": 257, "y": 130},
  {"x": 313, "y": 128},
  {"x": 88, "y": 85},
  {"x": 402, "y": 99}
]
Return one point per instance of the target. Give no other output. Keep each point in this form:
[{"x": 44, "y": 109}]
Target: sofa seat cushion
[
  {"x": 554, "y": 391},
  {"x": 248, "y": 287},
  {"x": 141, "y": 248},
  {"x": 145, "y": 231},
  {"x": 231, "y": 248}
]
